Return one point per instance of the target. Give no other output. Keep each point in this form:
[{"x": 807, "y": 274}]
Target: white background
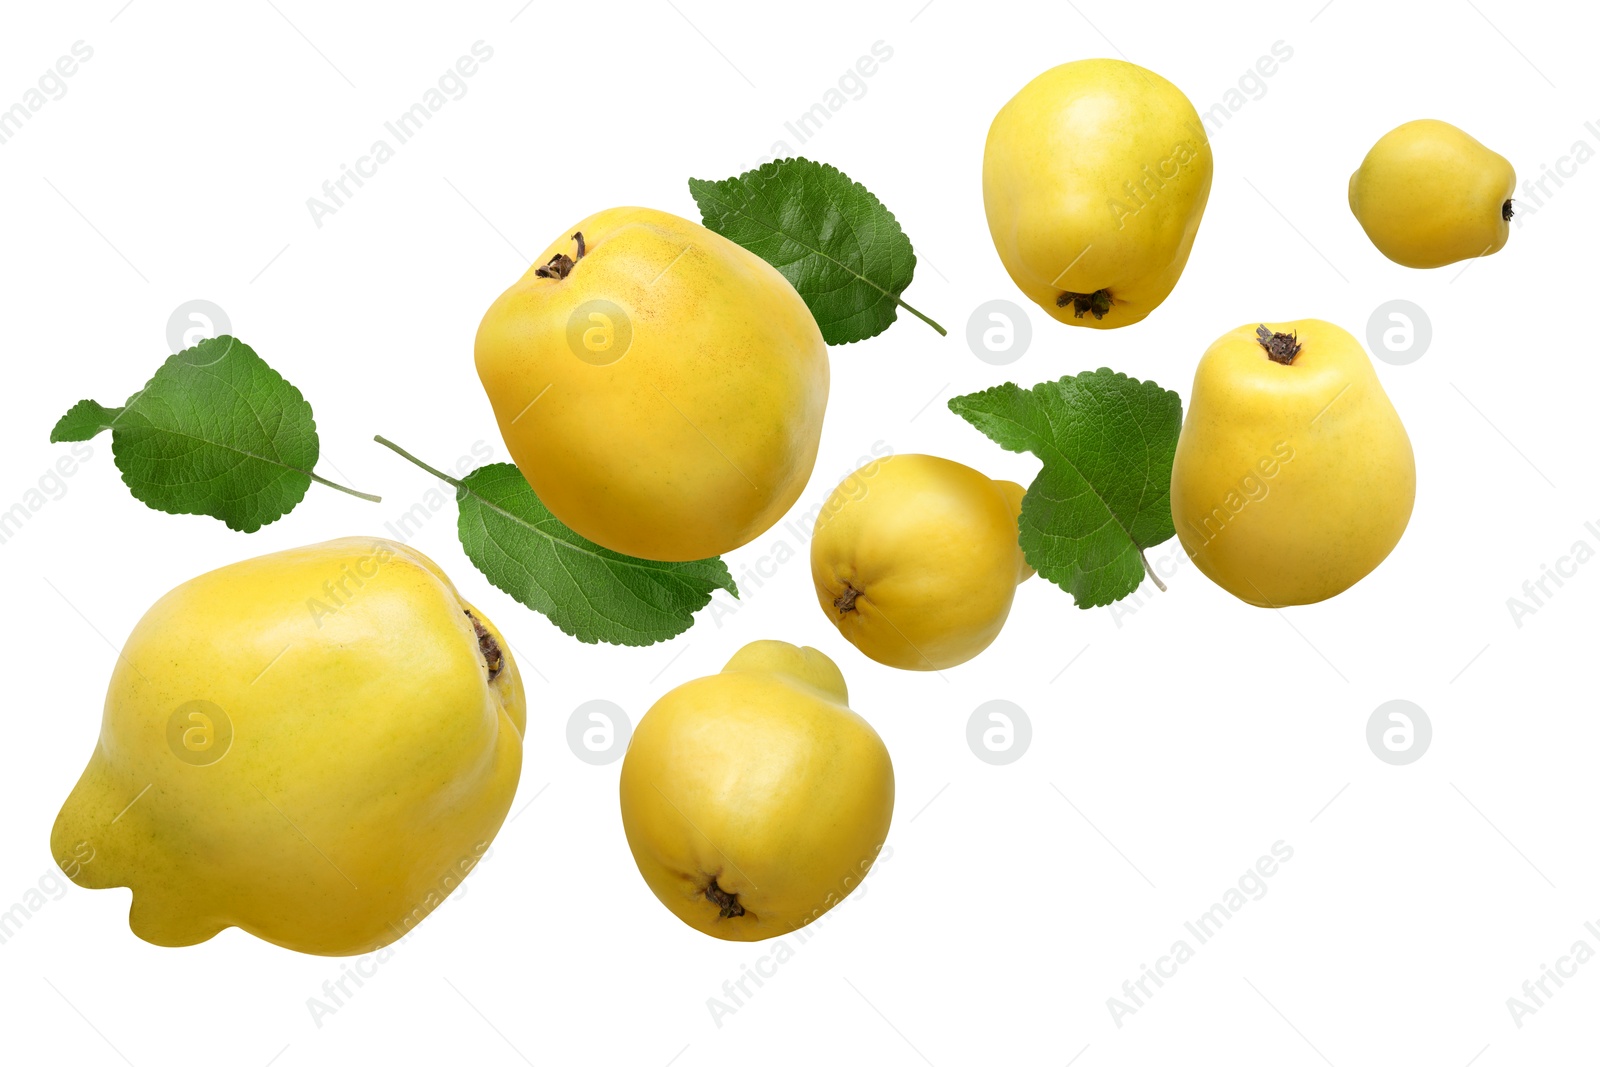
[{"x": 1171, "y": 747}]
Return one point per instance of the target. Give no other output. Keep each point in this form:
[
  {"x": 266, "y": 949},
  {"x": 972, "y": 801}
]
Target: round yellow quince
[
  {"x": 915, "y": 559},
  {"x": 754, "y": 800},
  {"x": 660, "y": 387},
  {"x": 1095, "y": 176}
]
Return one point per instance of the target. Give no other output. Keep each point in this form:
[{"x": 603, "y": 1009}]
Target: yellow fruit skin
[
  {"x": 1291, "y": 482},
  {"x": 1095, "y": 176},
  {"x": 703, "y": 433},
  {"x": 372, "y": 758},
  {"x": 1429, "y": 195},
  {"x": 929, "y": 548},
  {"x": 762, "y": 781}
]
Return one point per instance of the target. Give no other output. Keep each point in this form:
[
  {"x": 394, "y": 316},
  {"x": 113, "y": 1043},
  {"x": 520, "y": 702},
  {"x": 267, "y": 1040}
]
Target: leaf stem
[
  {"x": 1151, "y": 572},
  {"x": 343, "y": 488},
  {"x": 441, "y": 475},
  {"x": 921, "y": 316}
]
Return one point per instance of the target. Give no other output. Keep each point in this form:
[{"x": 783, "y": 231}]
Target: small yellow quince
[
  {"x": 315, "y": 746},
  {"x": 915, "y": 559},
  {"x": 754, "y": 800},
  {"x": 1429, "y": 195}
]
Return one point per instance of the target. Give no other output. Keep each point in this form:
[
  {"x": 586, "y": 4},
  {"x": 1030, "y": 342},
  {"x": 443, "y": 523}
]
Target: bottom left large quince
[{"x": 315, "y": 746}]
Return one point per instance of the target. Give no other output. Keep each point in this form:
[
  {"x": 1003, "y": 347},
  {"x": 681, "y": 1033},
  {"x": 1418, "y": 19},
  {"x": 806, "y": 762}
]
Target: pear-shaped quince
[
  {"x": 1293, "y": 477},
  {"x": 1428, "y": 195}
]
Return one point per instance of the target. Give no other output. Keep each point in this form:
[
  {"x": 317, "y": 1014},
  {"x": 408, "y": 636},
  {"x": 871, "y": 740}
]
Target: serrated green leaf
[
  {"x": 590, "y": 592},
  {"x": 82, "y": 421},
  {"x": 214, "y": 432},
  {"x": 840, "y": 248},
  {"x": 1107, "y": 443}
]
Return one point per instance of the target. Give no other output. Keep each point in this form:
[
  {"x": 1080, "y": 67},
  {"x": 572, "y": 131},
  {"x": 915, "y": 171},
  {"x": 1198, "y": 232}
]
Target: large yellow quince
[
  {"x": 660, "y": 387},
  {"x": 1428, "y": 194},
  {"x": 915, "y": 559},
  {"x": 1095, "y": 176},
  {"x": 754, "y": 800},
  {"x": 1293, "y": 477},
  {"x": 315, "y": 746}
]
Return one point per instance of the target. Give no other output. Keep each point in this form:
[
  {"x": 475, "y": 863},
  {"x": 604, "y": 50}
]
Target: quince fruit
[
  {"x": 915, "y": 559},
  {"x": 1428, "y": 195},
  {"x": 755, "y": 800},
  {"x": 660, "y": 387},
  {"x": 1293, "y": 477},
  {"x": 315, "y": 746},
  {"x": 1095, "y": 176}
]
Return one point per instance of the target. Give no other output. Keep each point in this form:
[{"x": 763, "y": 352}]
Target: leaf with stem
[
  {"x": 215, "y": 431},
  {"x": 841, "y": 249},
  {"x": 590, "y": 592}
]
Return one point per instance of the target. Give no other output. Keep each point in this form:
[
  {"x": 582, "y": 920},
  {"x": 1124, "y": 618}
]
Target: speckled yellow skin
[
  {"x": 762, "y": 780},
  {"x": 929, "y": 547},
  {"x": 1429, "y": 195},
  {"x": 703, "y": 433},
  {"x": 371, "y": 763},
  {"x": 1291, "y": 482},
  {"x": 1095, "y": 176}
]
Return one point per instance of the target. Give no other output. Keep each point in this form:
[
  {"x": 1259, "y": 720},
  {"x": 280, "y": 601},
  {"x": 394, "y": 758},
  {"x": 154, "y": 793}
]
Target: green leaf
[
  {"x": 215, "y": 432},
  {"x": 837, "y": 244},
  {"x": 590, "y": 592},
  {"x": 82, "y": 421},
  {"x": 1107, "y": 443}
]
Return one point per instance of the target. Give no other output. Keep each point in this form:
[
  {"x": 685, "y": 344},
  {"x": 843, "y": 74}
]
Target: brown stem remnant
[
  {"x": 1281, "y": 347},
  {"x": 846, "y": 601},
  {"x": 493, "y": 658},
  {"x": 1506, "y": 211},
  {"x": 1096, "y": 303},
  {"x": 561, "y": 264},
  {"x": 727, "y": 903}
]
